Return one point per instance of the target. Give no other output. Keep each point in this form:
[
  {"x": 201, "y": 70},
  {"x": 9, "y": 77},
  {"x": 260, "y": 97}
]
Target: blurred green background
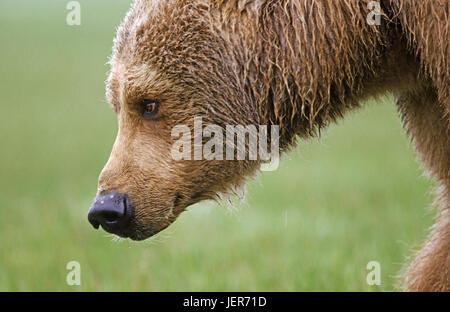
[{"x": 355, "y": 196}]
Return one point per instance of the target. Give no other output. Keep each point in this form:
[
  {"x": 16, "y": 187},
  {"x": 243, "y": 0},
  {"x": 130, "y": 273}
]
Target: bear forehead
[{"x": 158, "y": 25}]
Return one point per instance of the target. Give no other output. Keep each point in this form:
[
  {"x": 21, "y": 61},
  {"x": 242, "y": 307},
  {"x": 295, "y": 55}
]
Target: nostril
[{"x": 110, "y": 216}]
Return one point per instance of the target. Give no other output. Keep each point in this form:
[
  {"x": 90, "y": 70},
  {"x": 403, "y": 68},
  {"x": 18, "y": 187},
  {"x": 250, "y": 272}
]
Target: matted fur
[{"x": 300, "y": 64}]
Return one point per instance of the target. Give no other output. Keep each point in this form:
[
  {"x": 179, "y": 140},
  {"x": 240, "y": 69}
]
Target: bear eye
[{"x": 148, "y": 108}]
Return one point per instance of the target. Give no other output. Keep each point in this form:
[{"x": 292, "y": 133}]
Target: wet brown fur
[{"x": 300, "y": 64}]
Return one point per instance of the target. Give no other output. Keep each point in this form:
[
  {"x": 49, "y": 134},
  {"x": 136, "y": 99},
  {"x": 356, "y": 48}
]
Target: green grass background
[{"x": 334, "y": 204}]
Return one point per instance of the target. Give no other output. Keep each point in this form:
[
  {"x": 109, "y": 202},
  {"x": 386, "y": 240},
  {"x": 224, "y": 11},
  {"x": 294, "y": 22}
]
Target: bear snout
[{"x": 113, "y": 212}]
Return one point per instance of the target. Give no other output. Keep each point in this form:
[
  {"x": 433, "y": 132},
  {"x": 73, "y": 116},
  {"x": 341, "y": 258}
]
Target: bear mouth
[
  {"x": 139, "y": 234},
  {"x": 139, "y": 230}
]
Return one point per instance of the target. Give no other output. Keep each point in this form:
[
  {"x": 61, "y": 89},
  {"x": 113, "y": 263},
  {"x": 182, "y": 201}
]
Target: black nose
[{"x": 112, "y": 211}]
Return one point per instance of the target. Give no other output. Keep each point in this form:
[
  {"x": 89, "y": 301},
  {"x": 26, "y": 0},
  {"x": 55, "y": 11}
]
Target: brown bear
[{"x": 295, "y": 64}]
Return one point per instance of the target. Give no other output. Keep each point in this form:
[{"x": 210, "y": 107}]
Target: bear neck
[{"x": 305, "y": 63}]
